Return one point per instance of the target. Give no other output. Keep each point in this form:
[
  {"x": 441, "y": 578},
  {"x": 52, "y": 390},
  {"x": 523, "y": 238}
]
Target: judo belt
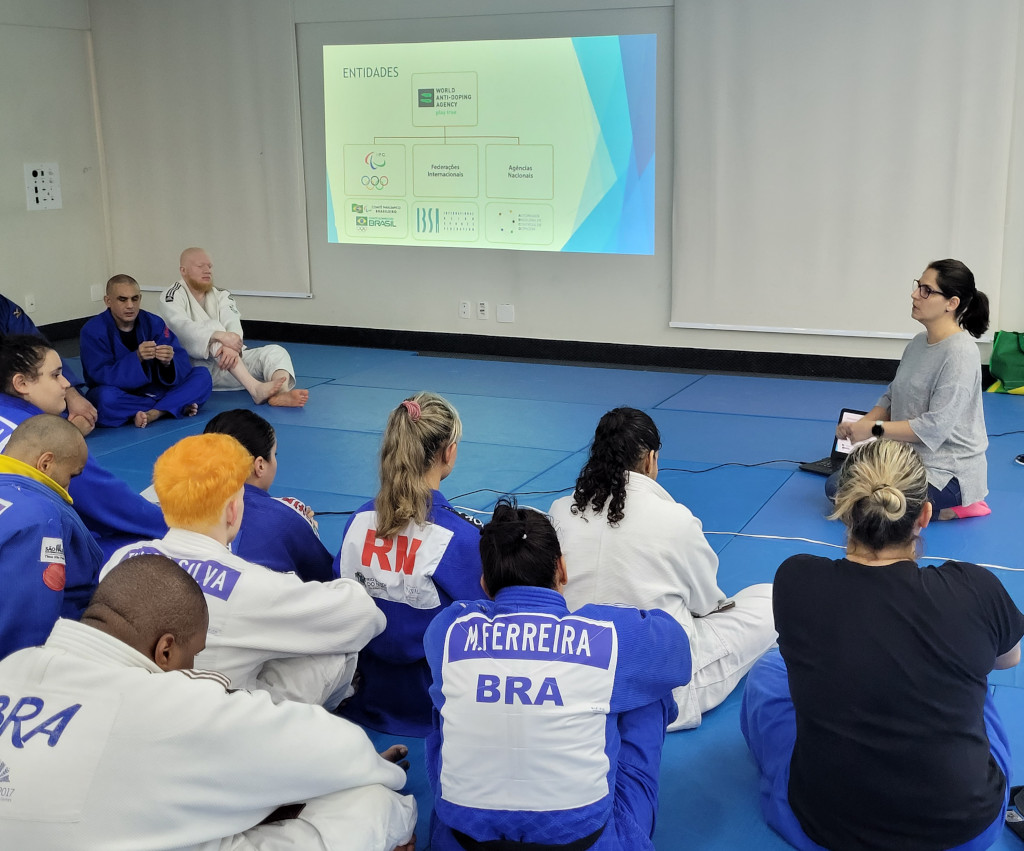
[{"x": 470, "y": 844}]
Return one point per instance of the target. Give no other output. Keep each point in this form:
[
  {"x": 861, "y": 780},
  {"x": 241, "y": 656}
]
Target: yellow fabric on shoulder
[{"x": 20, "y": 468}]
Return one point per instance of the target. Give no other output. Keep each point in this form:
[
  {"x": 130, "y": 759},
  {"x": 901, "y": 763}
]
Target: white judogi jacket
[
  {"x": 110, "y": 752},
  {"x": 656, "y": 558},
  {"x": 195, "y": 323},
  {"x": 270, "y": 630}
]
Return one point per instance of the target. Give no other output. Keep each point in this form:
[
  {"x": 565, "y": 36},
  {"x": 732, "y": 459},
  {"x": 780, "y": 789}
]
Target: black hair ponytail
[
  {"x": 518, "y": 547},
  {"x": 623, "y": 438}
]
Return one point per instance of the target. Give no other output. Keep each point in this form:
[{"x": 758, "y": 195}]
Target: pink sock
[{"x": 975, "y": 509}]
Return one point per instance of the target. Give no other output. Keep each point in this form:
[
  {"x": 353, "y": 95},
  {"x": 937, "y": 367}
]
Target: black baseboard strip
[{"x": 654, "y": 357}]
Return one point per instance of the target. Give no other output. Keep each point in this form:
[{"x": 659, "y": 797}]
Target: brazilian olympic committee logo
[
  {"x": 428, "y": 220},
  {"x": 426, "y": 97}
]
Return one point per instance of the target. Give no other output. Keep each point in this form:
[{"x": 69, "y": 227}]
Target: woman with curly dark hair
[{"x": 627, "y": 541}]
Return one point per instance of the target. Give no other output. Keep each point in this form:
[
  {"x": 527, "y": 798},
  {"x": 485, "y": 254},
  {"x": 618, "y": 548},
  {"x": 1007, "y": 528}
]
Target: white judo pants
[
  {"x": 725, "y": 646},
  {"x": 262, "y": 362},
  {"x": 368, "y": 818}
]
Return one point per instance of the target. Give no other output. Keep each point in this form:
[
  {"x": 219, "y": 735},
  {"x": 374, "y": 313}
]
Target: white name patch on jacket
[
  {"x": 400, "y": 568},
  {"x": 531, "y": 691},
  {"x": 51, "y": 741}
]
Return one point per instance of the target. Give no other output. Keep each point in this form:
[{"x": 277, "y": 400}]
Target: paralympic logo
[
  {"x": 375, "y": 181},
  {"x": 375, "y": 160}
]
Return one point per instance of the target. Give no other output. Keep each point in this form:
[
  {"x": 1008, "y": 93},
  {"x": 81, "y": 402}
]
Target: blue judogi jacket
[
  {"x": 106, "y": 360},
  {"x": 111, "y": 510},
  {"x": 528, "y": 701},
  {"x": 279, "y": 537},
  {"x": 411, "y": 577},
  {"x": 50, "y": 562},
  {"x": 14, "y": 320}
]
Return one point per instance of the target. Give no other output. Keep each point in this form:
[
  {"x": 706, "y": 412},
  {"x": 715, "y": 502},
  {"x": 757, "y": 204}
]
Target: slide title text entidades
[{"x": 369, "y": 71}]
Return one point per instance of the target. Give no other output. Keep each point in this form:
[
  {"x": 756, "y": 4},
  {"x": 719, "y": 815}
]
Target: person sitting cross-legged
[
  {"x": 548, "y": 724},
  {"x": 873, "y": 725},
  {"x": 110, "y": 740},
  {"x": 209, "y": 325},
  {"x": 137, "y": 369},
  {"x": 272, "y": 631}
]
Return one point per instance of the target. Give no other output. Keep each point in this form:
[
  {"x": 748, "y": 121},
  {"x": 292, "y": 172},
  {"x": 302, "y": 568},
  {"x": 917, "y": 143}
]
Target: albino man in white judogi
[
  {"x": 268, "y": 630},
  {"x": 108, "y": 740},
  {"x": 209, "y": 326}
]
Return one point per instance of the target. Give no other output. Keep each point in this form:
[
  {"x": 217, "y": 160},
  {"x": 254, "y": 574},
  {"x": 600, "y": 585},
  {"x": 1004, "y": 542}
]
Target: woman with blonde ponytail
[
  {"x": 873, "y": 725},
  {"x": 415, "y": 555}
]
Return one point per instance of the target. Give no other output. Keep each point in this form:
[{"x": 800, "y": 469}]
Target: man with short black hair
[
  {"x": 138, "y": 370},
  {"x": 109, "y": 741}
]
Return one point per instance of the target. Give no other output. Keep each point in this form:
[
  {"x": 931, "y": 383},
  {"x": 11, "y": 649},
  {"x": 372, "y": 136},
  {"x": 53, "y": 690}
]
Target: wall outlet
[
  {"x": 42, "y": 186},
  {"x": 506, "y": 312},
  {"x": 30, "y": 302},
  {"x": 96, "y": 292},
  {"x": 465, "y": 310},
  {"x": 483, "y": 310}
]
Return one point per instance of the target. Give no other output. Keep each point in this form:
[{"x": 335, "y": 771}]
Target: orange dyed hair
[{"x": 196, "y": 477}]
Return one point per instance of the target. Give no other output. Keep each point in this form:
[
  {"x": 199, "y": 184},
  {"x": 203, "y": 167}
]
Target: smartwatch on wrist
[{"x": 878, "y": 429}]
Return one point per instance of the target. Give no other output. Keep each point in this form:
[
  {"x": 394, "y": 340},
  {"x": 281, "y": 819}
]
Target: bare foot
[
  {"x": 397, "y": 754},
  {"x": 144, "y": 418},
  {"x": 289, "y": 398},
  {"x": 190, "y": 410},
  {"x": 266, "y": 389},
  {"x": 82, "y": 424}
]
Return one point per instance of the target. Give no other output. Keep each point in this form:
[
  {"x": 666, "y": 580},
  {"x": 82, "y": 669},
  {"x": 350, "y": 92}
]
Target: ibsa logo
[
  {"x": 375, "y": 160},
  {"x": 428, "y": 220}
]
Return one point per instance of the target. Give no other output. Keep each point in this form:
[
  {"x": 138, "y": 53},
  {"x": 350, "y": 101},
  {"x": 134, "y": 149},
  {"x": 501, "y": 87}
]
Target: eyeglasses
[{"x": 924, "y": 290}]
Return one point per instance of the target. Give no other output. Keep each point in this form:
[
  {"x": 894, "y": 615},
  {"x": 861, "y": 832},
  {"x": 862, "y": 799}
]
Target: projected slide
[{"x": 537, "y": 144}]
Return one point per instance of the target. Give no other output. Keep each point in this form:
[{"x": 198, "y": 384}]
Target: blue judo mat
[{"x": 527, "y": 427}]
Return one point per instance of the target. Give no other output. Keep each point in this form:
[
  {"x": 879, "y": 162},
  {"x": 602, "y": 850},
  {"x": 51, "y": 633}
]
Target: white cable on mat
[
  {"x": 802, "y": 540},
  {"x": 843, "y": 547}
]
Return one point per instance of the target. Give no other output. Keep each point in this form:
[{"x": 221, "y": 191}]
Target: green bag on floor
[{"x": 1007, "y": 363}]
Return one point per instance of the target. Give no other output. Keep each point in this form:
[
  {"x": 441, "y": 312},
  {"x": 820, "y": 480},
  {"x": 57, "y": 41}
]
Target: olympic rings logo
[{"x": 375, "y": 181}]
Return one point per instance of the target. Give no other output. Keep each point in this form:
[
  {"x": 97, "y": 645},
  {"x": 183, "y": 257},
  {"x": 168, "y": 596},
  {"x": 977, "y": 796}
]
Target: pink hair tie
[{"x": 413, "y": 408}]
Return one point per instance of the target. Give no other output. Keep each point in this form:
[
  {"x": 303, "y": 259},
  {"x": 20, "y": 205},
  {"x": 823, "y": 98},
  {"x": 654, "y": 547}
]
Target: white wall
[
  {"x": 573, "y": 297},
  {"x": 46, "y": 115}
]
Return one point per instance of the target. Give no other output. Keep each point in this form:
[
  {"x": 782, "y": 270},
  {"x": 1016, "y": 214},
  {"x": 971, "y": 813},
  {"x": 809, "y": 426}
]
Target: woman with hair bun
[
  {"x": 548, "y": 723},
  {"x": 627, "y": 541},
  {"x": 873, "y": 726},
  {"x": 414, "y": 554},
  {"x": 934, "y": 402}
]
